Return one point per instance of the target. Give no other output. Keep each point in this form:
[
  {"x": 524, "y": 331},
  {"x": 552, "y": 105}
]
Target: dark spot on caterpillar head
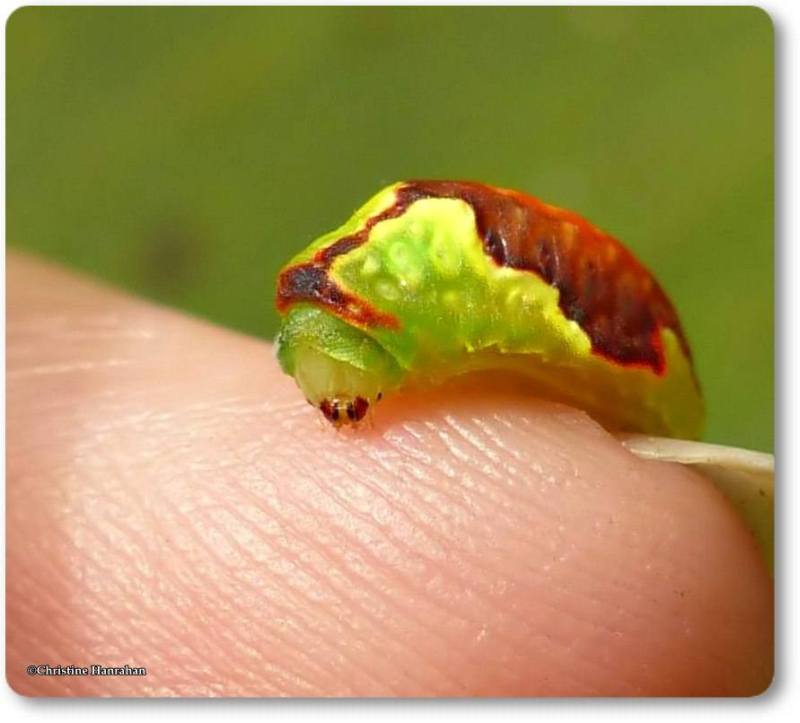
[
  {"x": 330, "y": 410},
  {"x": 335, "y": 410},
  {"x": 360, "y": 407},
  {"x": 379, "y": 397}
]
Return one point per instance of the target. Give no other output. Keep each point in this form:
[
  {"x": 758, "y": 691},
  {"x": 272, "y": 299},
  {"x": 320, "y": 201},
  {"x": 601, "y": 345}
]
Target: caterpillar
[{"x": 433, "y": 279}]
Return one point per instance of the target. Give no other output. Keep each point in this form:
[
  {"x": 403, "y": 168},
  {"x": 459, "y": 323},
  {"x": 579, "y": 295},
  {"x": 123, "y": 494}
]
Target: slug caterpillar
[{"x": 430, "y": 279}]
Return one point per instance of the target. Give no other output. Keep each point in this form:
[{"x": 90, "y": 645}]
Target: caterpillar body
[{"x": 431, "y": 279}]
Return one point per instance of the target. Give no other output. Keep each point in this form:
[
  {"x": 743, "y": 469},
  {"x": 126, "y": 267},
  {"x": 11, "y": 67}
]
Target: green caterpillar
[{"x": 431, "y": 279}]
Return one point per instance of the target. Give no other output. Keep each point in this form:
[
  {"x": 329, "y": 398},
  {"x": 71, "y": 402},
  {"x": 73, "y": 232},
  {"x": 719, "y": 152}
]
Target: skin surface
[
  {"x": 444, "y": 277},
  {"x": 172, "y": 502}
]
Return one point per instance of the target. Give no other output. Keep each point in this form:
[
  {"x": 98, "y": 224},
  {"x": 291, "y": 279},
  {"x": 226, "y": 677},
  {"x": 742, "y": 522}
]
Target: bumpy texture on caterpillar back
[{"x": 435, "y": 278}]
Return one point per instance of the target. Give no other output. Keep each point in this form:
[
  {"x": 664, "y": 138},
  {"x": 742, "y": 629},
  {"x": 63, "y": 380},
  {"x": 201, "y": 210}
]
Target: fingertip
[{"x": 473, "y": 541}]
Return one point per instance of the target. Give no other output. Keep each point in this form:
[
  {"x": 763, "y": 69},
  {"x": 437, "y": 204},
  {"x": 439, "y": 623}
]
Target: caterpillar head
[{"x": 340, "y": 369}]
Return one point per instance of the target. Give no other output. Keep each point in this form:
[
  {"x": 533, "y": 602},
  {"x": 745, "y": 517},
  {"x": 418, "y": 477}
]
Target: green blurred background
[{"x": 185, "y": 154}]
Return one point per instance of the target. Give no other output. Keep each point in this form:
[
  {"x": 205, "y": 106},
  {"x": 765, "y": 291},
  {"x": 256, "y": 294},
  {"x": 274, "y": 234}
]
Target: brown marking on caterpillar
[
  {"x": 330, "y": 410},
  {"x": 601, "y": 285},
  {"x": 335, "y": 410},
  {"x": 311, "y": 282},
  {"x": 360, "y": 407}
]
